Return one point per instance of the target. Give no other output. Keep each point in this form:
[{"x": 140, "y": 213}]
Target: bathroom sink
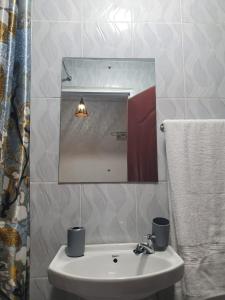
[{"x": 113, "y": 271}]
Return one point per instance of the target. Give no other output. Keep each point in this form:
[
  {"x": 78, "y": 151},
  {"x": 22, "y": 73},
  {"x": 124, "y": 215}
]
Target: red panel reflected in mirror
[{"x": 142, "y": 140}]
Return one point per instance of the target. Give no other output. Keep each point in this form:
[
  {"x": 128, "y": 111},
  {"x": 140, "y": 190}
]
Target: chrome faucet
[{"x": 145, "y": 248}]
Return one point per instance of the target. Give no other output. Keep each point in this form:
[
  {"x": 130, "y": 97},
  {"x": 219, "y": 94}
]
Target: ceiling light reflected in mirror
[{"x": 81, "y": 110}]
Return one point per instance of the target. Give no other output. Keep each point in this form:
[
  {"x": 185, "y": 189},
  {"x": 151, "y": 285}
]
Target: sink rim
[{"x": 112, "y": 249}]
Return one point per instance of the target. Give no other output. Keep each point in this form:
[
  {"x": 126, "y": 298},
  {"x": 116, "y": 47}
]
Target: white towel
[{"x": 196, "y": 168}]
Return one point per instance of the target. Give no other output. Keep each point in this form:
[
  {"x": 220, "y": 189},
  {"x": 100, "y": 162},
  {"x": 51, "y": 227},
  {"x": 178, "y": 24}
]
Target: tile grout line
[
  {"x": 80, "y": 204},
  {"x": 44, "y": 182},
  {"x": 136, "y": 211},
  {"x": 39, "y": 277},
  {"x": 126, "y": 22},
  {"x": 57, "y": 98},
  {"x": 82, "y": 29},
  {"x": 183, "y": 60},
  {"x": 103, "y": 183},
  {"x": 132, "y": 39},
  {"x": 132, "y": 32}
]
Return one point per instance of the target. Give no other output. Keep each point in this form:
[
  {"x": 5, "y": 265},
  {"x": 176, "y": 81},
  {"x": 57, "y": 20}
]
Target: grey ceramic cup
[
  {"x": 160, "y": 231},
  {"x": 75, "y": 241}
]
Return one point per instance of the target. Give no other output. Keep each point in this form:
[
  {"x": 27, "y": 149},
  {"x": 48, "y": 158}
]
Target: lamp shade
[{"x": 81, "y": 110}]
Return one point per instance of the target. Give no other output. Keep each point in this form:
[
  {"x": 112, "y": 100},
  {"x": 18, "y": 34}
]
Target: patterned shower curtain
[{"x": 14, "y": 148}]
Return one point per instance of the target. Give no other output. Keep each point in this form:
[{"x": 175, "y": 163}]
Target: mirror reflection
[{"x": 108, "y": 121}]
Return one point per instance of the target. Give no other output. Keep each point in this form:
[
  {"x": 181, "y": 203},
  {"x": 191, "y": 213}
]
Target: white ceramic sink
[{"x": 113, "y": 272}]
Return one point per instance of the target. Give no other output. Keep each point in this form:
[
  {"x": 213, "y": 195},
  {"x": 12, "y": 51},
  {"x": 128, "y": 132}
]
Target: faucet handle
[{"x": 150, "y": 236}]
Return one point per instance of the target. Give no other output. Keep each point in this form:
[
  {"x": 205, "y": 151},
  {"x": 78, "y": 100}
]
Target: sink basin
[{"x": 113, "y": 271}]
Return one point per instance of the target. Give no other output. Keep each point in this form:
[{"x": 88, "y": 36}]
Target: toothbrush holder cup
[{"x": 160, "y": 231}]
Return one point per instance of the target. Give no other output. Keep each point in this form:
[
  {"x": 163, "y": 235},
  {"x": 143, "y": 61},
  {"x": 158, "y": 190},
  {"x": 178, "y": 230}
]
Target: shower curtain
[{"x": 14, "y": 148}]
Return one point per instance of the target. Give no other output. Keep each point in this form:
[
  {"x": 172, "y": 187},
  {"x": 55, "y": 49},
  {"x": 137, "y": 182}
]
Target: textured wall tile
[
  {"x": 157, "y": 11},
  {"x": 203, "y": 11},
  {"x": 52, "y": 41},
  {"x": 152, "y": 202},
  {"x": 114, "y": 213},
  {"x": 40, "y": 289},
  {"x": 108, "y": 10},
  {"x": 57, "y": 10},
  {"x": 205, "y": 109},
  {"x": 166, "y": 109},
  {"x": 44, "y": 139},
  {"x": 107, "y": 40},
  {"x": 109, "y": 213},
  {"x": 54, "y": 208},
  {"x": 204, "y": 62},
  {"x": 163, "y": 42}
]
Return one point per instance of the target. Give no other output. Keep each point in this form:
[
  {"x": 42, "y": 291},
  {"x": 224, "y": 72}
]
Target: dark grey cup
[
  {"x": 160, "y": 231},
  {"x": 75, "y": 241}
]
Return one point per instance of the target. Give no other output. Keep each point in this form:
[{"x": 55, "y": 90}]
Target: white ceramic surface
[{"x": 97, "y": 275}]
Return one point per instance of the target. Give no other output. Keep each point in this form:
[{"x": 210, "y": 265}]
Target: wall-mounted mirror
[{"x": 108, "y": 121}]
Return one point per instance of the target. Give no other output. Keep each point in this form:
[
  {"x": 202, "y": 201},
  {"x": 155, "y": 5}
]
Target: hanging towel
[{"x": 196, "y": 173}]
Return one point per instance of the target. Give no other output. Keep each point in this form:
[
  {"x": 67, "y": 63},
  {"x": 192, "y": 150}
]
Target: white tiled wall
[{"x": 187, "y": 38}]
